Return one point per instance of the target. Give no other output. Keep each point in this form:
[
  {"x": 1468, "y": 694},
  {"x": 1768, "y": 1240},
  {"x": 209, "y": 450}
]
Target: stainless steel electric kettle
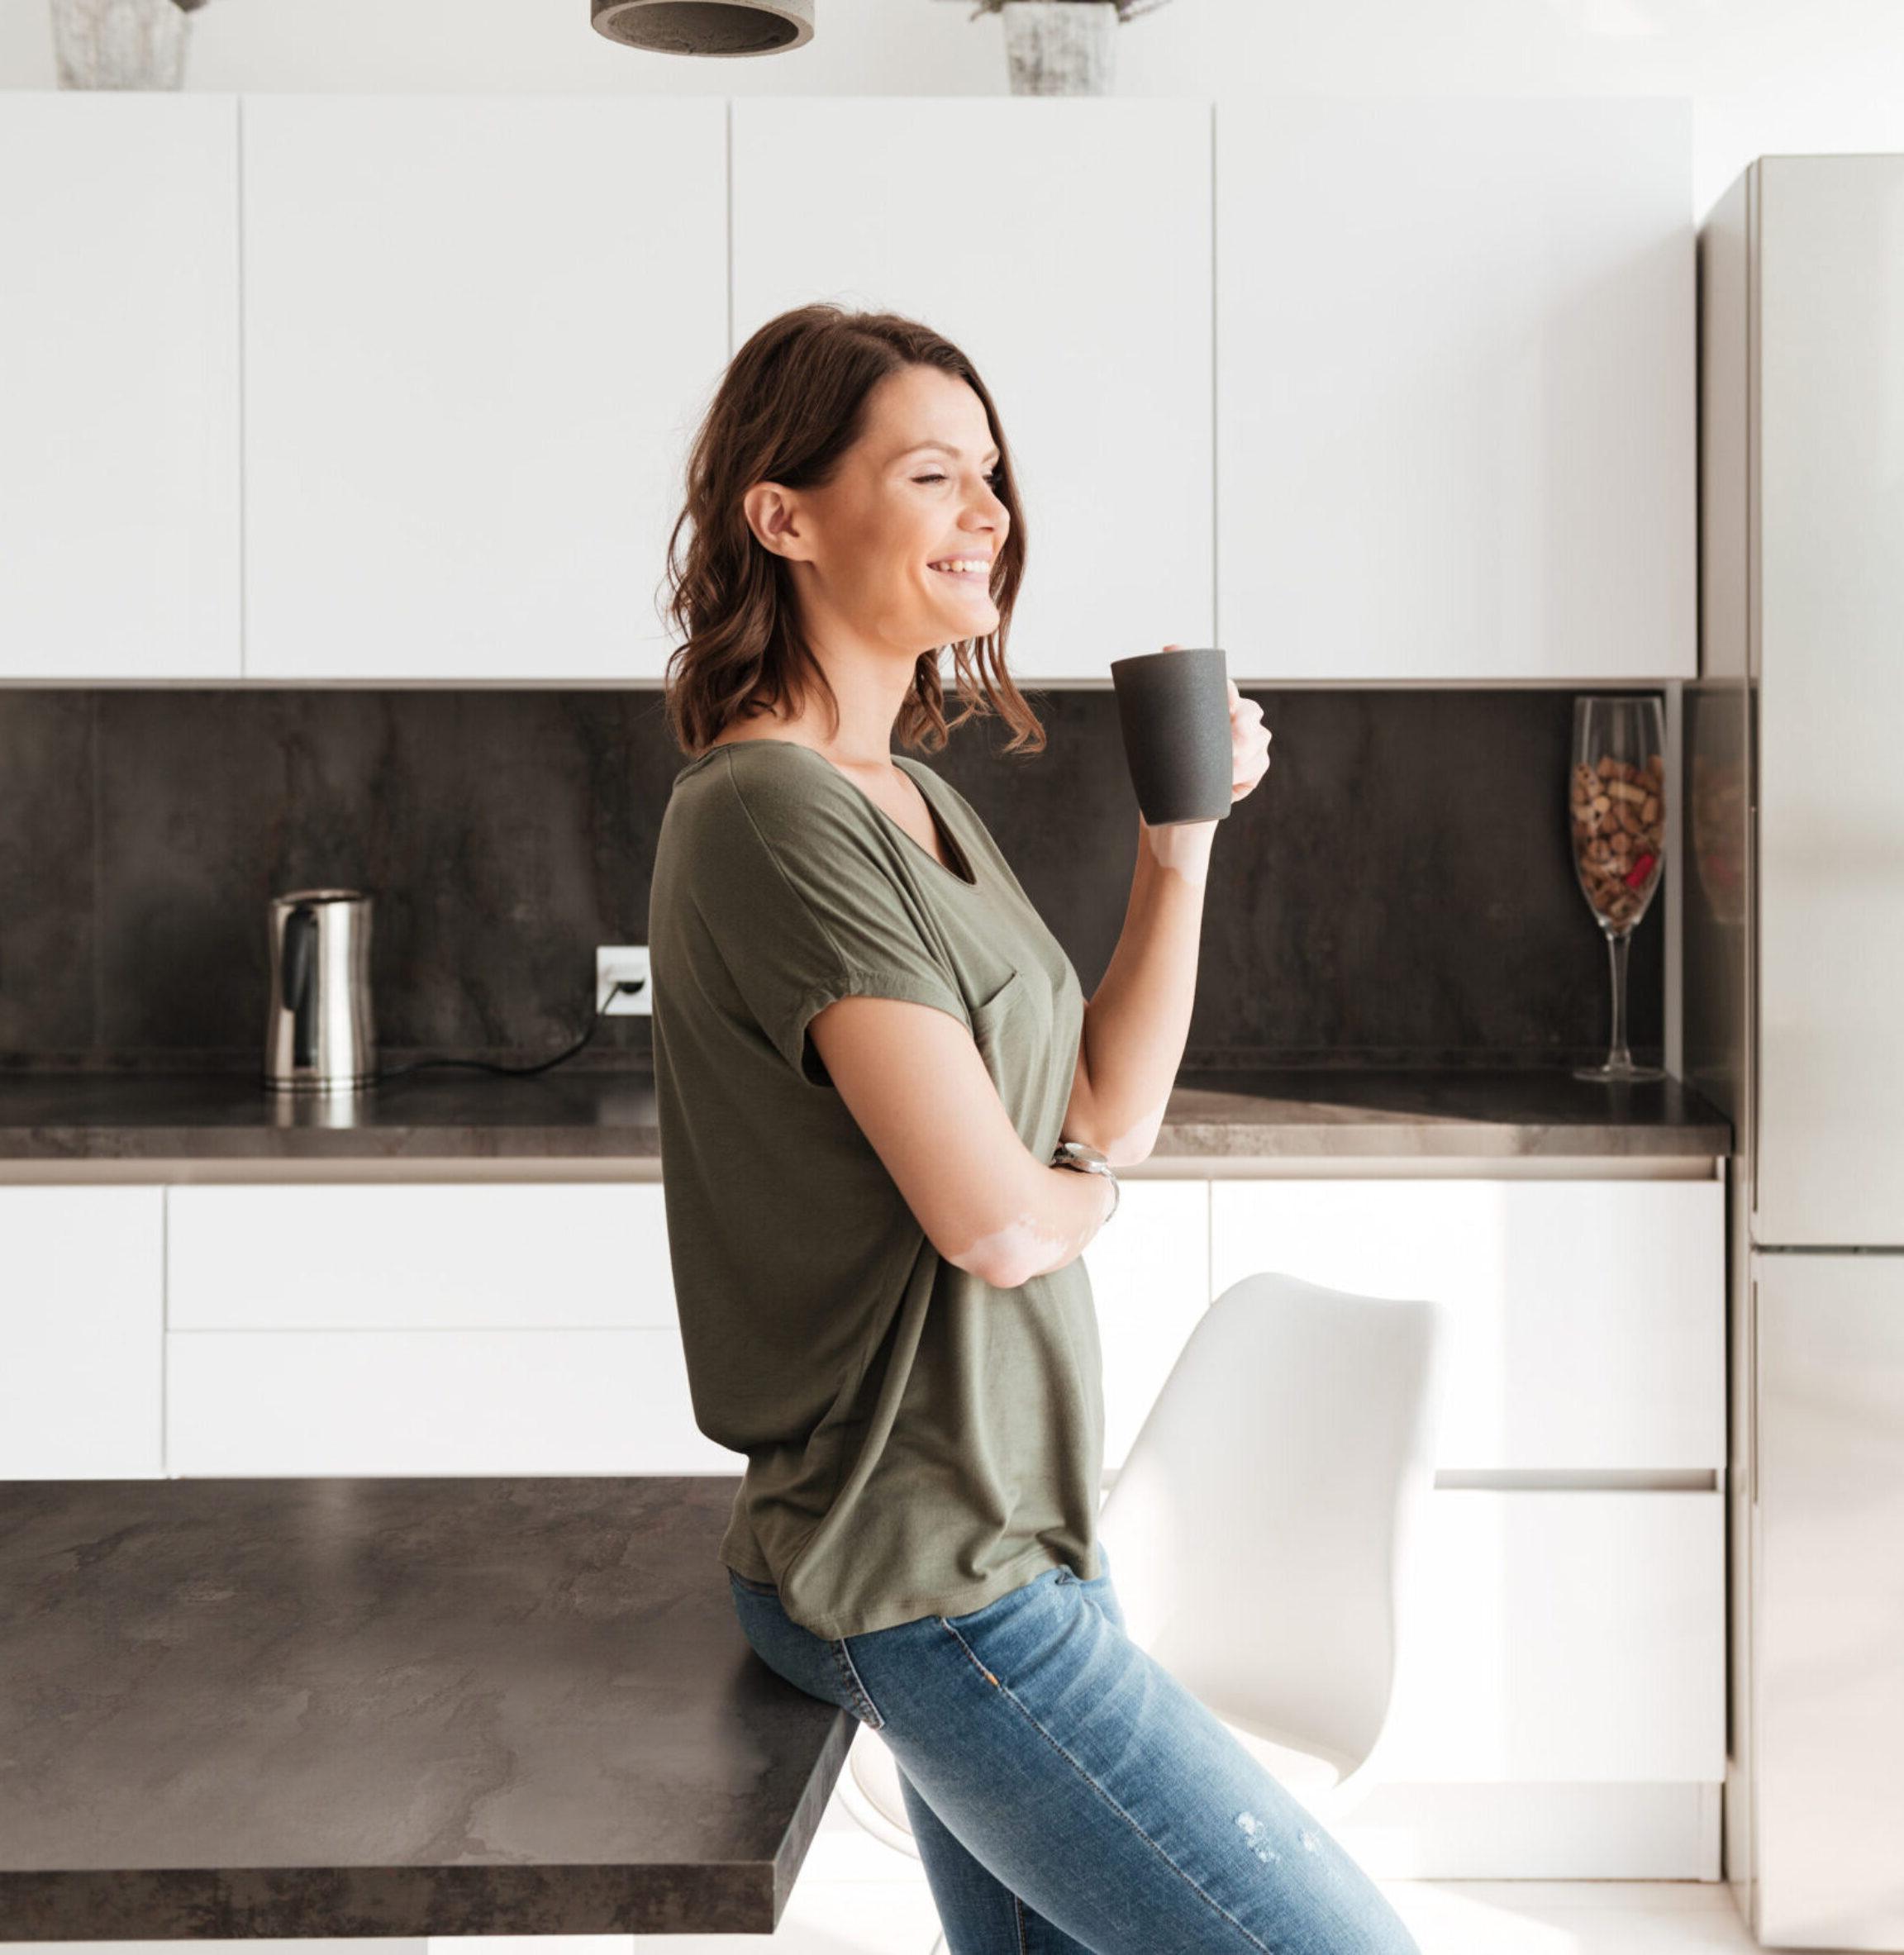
[{"x": 320, "y": 1037}]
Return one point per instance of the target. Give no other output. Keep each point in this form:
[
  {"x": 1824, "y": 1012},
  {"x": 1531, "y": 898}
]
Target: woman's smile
[{"x": 977, "y": 580}]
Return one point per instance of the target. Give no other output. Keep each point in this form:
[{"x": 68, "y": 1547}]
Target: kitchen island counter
[{"x": 241, "y": 1708}]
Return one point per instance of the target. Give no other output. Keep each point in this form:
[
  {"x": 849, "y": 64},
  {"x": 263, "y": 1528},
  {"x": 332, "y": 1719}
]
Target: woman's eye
[{"x": 995, "y": 477}]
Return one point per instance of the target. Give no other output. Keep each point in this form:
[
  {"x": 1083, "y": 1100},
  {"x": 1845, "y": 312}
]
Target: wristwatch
[{"x": 1087, "y": 1159}]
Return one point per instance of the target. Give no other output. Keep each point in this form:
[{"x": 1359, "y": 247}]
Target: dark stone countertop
[
  {"x": 391, "y": 1706},
  {"x": 69, "y": 1123}
]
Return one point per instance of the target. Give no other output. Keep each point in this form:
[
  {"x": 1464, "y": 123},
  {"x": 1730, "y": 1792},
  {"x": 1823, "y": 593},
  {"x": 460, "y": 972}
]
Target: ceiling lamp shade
[{"x": 706, "y": 27}]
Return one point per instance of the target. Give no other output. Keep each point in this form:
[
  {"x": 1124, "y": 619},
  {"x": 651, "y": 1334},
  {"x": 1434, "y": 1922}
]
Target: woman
[{"x": 867, "y": 1048}]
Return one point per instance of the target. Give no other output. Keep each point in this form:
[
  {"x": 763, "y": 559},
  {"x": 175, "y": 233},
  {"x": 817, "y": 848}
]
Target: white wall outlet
[{"x": 616, "y": 962}]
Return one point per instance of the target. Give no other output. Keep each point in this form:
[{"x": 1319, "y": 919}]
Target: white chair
[{"x": 1264, "y": 1532}]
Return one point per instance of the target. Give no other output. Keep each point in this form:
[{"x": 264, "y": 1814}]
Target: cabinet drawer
[
  {"x": 1587, "y": 1318},
  {"x": 1149, "y": 1274},
  {"x": 1557, "y": 1636},
  {"x": 433, "y": 1401},
  {"x": 418, "y": 1256},
  {"x": 81, "y": 1273}
]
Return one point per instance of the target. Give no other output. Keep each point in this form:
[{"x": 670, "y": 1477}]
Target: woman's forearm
[
  {"x": 1135, "y": 1028},
  {"x": 1058, "y": 1213},
  {"x": 1139, "y": 1017}
]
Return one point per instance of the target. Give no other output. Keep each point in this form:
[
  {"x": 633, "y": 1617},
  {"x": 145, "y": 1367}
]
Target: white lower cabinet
[
  {"x": 82, "y": 1331},
  {"x": 1562, "y": 1635},
  {"x": 1559, "y": 1709},
  {"x": 1149, "y": 1272},
  {"x": 426, "y": 1328},
  {"x": 459, "y": 1328},
  {"x": 438, "y": 1256},
  {"x": 1586, "y": 1319},
  {"x": 1560, "y": 1706},
  {"x": 452, "y": 1401}
]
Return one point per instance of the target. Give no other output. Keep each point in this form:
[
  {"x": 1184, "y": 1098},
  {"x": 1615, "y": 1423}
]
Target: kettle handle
[{"x": 300, "y": 931}]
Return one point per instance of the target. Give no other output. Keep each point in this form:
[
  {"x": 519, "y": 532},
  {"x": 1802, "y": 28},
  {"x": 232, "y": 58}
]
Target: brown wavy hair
[{"x": 790, "y": 403}]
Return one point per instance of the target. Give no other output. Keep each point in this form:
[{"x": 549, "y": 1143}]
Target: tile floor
[
  {"x": 1447, "y": 1917},
  {"x": 856, "y": 1895}
]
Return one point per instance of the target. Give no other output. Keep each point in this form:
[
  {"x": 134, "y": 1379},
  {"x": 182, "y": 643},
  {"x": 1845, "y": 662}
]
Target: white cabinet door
[
  {"x": 1455, "y": 389},
  {"x": 1149, "y": 1272},
  {"x": 433, "y": 1401},
  {"x": 119, "y": 410},
  {"x": 418, "y": 1256},
  {"x": 1064, "y": 243},
  {"x": 1586, "y": 1320},
  {"x": 426, "y": 1328},
  {"x": 477, "y": 333},
  {"x": 1826, "y": 1682},
  {"x": 1563, "y": 1636},
  {"x": 82, "y": 1330}
]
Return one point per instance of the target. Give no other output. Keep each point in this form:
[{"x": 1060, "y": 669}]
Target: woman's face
[{"x": 917, "y": 490}]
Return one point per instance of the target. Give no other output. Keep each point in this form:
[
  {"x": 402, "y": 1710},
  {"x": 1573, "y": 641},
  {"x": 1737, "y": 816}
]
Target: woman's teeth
[{"x": 978, "y": 570}]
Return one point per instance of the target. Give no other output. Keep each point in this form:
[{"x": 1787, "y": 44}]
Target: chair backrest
[{"x": 1262, "y": 1525}]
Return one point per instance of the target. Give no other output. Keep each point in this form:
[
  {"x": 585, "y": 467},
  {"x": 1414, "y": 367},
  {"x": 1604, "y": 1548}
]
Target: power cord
[{"x": 623, "y": 984}]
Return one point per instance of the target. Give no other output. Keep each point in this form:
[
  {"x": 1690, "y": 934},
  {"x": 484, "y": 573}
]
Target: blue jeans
[{"x": 1068, "y": 1796}]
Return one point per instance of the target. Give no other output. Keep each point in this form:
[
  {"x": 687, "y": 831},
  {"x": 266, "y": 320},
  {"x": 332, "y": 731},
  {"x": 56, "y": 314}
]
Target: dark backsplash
[{"x": 1397, "y": 891}]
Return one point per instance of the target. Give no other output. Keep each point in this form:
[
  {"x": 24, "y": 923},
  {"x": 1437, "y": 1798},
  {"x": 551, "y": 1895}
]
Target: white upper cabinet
[
  {"x": 119, "y": 413},
  {"x": 1064, "y": 244},
  {"x": 478, "y": 331},
  {"x": 1382, "y": 390},
  {"x": 1455, "y": 385}
]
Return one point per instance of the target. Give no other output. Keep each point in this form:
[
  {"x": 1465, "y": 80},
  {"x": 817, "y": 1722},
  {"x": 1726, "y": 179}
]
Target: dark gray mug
[{"x": 1174, "y": 708}]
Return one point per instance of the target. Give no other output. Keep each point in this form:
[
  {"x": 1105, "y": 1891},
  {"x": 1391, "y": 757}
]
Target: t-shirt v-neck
[
  {"x": 921, "y": 775},
  {"x": 964, "y": 872},
  {"x": 918, "y": 1442}
]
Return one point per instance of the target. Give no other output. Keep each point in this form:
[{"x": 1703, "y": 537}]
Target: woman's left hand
[{"x": 1250, "y": 742}]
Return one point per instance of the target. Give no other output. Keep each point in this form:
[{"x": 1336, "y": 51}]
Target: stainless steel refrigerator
[{"x": 1793, "y": 832}]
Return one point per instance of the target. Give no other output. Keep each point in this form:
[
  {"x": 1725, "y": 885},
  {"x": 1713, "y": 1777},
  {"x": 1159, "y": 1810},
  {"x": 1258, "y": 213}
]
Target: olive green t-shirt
[{"x": 918, "y": 1441}]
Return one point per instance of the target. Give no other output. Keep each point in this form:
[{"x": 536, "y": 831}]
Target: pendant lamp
[{"x": 706, "y": 27}]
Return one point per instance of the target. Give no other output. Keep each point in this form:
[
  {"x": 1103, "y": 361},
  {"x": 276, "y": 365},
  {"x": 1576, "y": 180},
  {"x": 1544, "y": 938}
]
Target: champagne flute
[{"x": 1616, "y": 798}]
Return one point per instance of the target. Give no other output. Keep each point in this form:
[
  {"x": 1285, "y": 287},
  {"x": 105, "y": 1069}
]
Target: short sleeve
[{"x": 802, "y": 907}]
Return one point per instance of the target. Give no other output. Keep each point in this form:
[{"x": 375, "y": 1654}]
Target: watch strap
[{"x": 1083, "y": 1159}]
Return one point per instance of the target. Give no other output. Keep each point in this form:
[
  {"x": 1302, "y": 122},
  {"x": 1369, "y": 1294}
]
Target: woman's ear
[{"x": 772, "y": 513}]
